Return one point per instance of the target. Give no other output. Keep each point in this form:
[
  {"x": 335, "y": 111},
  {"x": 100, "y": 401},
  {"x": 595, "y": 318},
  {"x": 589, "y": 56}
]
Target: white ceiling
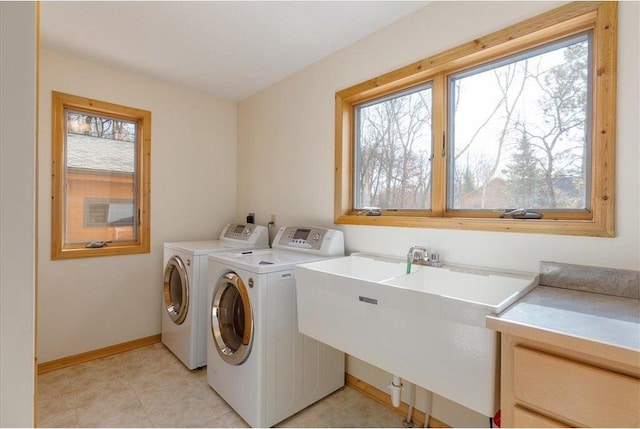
[{"x": 230, "y": 49}]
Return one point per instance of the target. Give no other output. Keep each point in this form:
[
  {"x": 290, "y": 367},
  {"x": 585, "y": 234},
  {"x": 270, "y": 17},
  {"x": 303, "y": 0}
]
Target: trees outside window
[
  {"x": 519, "y": 131},
  {"x": 521, "y": 118},
  {"x": 394, "y": 151}
]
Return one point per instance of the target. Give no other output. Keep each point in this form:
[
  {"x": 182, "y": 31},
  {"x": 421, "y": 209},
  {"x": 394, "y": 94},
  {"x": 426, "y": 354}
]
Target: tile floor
[{"x": 138, "y": 389}]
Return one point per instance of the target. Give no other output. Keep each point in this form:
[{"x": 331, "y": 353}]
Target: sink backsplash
[{"x": 606, "y": 281}]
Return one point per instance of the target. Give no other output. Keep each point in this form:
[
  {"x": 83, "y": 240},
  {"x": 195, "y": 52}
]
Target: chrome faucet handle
[
  {"x": 419, "y": 253},
  {"x": 434, "y": 260}
]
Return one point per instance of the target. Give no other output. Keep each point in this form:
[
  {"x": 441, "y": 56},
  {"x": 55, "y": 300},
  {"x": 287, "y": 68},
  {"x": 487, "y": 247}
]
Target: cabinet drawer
[
  {"x": 523, "y": 418},
  {"x": 584, "y": 394}
]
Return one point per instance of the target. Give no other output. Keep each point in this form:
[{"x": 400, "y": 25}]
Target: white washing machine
[
  {"x": 257, "y": 359},
  {"x": 184, "y": 304}
]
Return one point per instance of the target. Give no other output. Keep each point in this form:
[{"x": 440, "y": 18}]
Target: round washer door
[
  {"x": 232, "y": 319},
  {"x": 176, "y": 290}
]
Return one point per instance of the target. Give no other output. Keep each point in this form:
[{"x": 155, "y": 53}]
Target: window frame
[
  {"x": 569, "y": 214},
  {"x": 357, "y": 122},
  {"x": 142, "y": 203},
  {"x": 571, "y": 19}
]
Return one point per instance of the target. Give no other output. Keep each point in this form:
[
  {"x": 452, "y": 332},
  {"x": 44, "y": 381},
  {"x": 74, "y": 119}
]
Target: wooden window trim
[
  {"x": 61, "y": 250},
  {"x": 558, "y": 23}
]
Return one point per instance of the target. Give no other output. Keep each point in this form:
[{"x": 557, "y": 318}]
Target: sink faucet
[{"x": 418, "y": 255}]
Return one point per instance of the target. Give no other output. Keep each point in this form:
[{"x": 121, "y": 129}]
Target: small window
[{"x": 101, "y": 154}]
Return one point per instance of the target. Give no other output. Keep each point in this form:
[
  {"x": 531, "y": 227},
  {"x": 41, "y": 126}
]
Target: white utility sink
[
  {"x": 427, "y": 327},
  {"x": 491, "y": 290}
]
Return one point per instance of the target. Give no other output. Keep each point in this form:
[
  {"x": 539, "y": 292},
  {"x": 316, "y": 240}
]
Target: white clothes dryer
[
  {"x": 184, "y": 289},
  {"x": 257, "y": 359}
]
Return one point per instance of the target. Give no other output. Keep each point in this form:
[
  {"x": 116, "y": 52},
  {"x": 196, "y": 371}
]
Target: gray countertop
[{"x": 590, "y": 316}]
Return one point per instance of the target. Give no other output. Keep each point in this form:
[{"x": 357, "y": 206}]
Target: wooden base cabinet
[
  {"x": 523, "y": 418},
  {"x": 549, "y": 385}
]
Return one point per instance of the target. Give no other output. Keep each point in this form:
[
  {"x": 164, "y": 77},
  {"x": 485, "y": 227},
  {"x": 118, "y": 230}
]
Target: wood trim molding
[
  {"x": 384, "y": 398},
  {"x": 97, "y": 354},
  {"x": 420, "y": 70},
  {"x": 595, "y": 221},
  {"x": 141, "y": 242}
]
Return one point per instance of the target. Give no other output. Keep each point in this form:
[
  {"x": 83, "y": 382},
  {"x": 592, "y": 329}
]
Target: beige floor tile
[
  {"x": 151, "y": 387},
  {"x": 54, "y": 418},
  {"x": 345, "y": 408},
  {"x": 109, "y": 403},
  {"x": 55, "y": 403},
  {"x": 210, "y": 397},
  {"x": 162, "y": 378},
  {"x": 97, "y": 371},
  {"x": 55, "y": 395},
  {"x": 233, "y": 420},
  {"x": 103, "y": 392},
  {"x": 197, "y": 376},
  {"x": 150, "y": 358},
  {"x": 113, "y": 415},
  {"x": 180, "y": 411}
]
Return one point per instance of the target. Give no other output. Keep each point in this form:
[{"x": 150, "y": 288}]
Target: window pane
[
  {"x": 393, "y": 151},
  {"x": 99, "y": 212},
  {"x": 100, "y": 177},
  {"x": 519, "y": 132}
]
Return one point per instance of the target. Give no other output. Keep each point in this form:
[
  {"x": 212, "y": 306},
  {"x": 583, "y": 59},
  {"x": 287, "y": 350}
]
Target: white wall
[
  {"x": 286, "y": 153},
  {"x": 17, "y": 212},
  {"x": 86, "y": 304}
]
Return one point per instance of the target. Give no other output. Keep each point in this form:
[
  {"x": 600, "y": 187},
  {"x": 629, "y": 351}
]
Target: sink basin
[
  {"x": 491, "y": 290},
  {"x": 365, "y": 266},
  {"x": 427, "y": 327}
]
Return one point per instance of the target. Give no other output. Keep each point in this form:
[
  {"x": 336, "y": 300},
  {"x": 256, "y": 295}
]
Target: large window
[
  {"x": 101, "y": 154},
  {"x": 520, "y": 119}
]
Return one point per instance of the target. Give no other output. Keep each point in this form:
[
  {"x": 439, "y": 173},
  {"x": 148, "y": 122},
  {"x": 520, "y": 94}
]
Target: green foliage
[{"x": 524, "y": 177}]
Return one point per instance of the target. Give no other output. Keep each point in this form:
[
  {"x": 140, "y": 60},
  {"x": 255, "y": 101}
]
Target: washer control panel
[
  {"x": 245, "y": 232},
  {"x": 303, "y": 238},
  {"x": 318, "y": 240}
]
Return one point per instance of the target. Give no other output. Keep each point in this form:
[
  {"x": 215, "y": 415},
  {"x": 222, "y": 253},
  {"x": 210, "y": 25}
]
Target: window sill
[
  {"x": 79, "y": 251},
  {"x": 587, "y": 228}
]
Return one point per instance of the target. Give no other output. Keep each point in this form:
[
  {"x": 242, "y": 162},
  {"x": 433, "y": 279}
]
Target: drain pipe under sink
[
  {"x": 396, "y": 389},
  {"x": 412, "y": 400},
  {"x": 427, "y": 408}
]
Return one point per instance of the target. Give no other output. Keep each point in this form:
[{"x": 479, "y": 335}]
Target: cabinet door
[
  {"x": 523, "y": 418},
  {"x": 584, "y": 394}
]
